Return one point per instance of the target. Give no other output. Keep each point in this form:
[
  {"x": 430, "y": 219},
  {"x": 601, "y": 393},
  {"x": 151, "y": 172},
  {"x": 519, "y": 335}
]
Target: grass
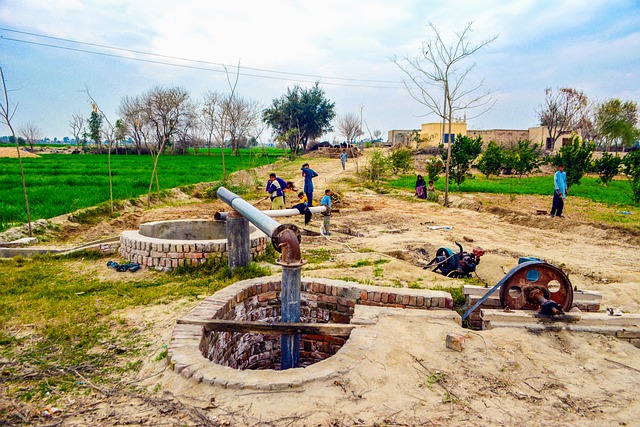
[
  {"x": 618, "y": 192},
  {"x": 60, "y": 328},
  {"x": 63, "y": 183}
]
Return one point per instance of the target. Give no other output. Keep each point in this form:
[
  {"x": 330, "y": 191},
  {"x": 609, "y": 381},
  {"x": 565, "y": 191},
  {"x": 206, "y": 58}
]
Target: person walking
[
  {"x": 560, "y": 191},
  {"x": 275, "y": 187},
  {"x": 343, "y": 158},
  {"x": 308, "y": 175}
]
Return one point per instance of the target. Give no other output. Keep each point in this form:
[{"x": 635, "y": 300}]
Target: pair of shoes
[
  {"x": 560, "y": 216},
  {"x": 552, "y": 215}
]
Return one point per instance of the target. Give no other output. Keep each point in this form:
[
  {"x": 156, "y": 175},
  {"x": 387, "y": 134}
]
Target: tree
[
  {"x": 437, "y": 80},
  {"x": 562, "y": 112},
  {"x": 607, "y": 167},
  {"x": 243, "y": 117},
  {"x": 6, "y": 115},
  {"x": 77, "y": 128},
  {"x": 434, "y": 166},
  {"x": 576, "y": 158},
  {"x": 137, "y": 124},
  {"x": 306, "y": 110},
  {"x": 31, "y": 132},
  {"x": 492, "y": 160},
  {"x": 400, "y": 160},
  {"x": 95, "y": 127},
  {"x": 632, "y": 170},
  {"x": 120, "y": 133},
  {"x": 522, "y": 157},
  {"x": 349, "y": 125},
  {"x": 460, "y": 155},
  {"x": 616, "y": 122}
]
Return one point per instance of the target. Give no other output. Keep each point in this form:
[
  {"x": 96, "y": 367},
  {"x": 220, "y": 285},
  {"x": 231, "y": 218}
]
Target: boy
[
  {"x": 326, "y": 201},
  {"x": 303, "y": 207},
  {"x": 275, "y": 189}
]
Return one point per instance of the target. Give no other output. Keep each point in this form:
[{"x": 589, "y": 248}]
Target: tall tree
[
  {"x": 6, "y": 115},
  {"x": 562, "y": 112},
  {"x": 306, "y": 110},
  {"x": 437, "y": 79},
  {"x": 616, "y": 122},
  {"x": 243, "y": 119},
  {"x": 460, "y": 154},
  {"x": 31, "y": 132},
  {"x": 134, "y": 116}
]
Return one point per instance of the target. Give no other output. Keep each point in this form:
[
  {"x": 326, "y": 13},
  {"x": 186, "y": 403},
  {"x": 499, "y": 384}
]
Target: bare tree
[
  {"x": 31, "y": 132},
  {"x": 437, "y": 79},
  {"x": 6, "y": 113},
  {"x": 244, "y": 115},
  {"x": 209, "y": 114},
  {"x": 349, "y": 125},
  {"x": 76, "y": 124},
  {"x": 562, "y": 112},
  {"x": 134, "y": 116}
]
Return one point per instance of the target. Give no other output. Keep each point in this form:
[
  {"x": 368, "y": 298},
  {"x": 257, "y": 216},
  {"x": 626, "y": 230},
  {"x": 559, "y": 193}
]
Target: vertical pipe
[
  {"x": 290, "y": 300},
  {"x": 238, "y": 241}
]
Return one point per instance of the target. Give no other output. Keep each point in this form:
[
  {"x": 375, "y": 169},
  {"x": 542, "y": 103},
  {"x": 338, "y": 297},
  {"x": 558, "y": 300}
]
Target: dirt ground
[
  {"x": 408, "y": 377},
  {"x": 12, "y": 152}
]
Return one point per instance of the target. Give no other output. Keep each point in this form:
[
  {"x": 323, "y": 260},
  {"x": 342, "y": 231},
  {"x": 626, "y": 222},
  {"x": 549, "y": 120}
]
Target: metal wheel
[
  {"x": 519, "y": 282},
  {"x": 451, "y": 262}
]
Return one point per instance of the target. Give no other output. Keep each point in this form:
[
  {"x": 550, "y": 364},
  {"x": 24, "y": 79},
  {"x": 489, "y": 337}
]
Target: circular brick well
[
  {"x": 165, "y": 245},
  {"x": 237, "y": 360}
]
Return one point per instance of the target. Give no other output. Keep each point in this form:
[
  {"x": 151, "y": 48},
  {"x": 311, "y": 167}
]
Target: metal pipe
[
  {"x": 277, "y": 212},
  {"x": 265, "y": 223},
  {"x": 290, "y": 307}
]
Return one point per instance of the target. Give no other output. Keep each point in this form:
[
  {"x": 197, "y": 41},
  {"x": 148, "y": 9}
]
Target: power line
[{"x": 323, "y": 78}]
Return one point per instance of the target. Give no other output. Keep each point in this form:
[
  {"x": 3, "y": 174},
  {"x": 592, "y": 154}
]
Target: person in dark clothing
[
  {"x": 303, "y": 207},
  {"x": 421, "y": 188}
]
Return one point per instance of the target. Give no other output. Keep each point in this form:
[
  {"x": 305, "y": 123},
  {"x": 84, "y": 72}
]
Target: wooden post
[
  {"x": 290, "y": 305},
  {"x": 238, "y": 241}
]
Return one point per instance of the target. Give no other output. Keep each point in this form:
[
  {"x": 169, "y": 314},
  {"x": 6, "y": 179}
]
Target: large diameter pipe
[
  {"x": 277, "y": 212},
  {"x": 265, "y": 223}
]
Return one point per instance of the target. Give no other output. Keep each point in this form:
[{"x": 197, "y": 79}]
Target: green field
[
  {"x": 62, "y": 183},
  {"x": 617, "y": 192}
]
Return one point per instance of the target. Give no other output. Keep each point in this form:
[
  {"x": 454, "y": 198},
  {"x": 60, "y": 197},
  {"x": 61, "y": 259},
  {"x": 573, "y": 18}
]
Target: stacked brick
[
  {"x": 166, "y": 254},
  {"x": 586, "y": 301},
  {"x": 322, "y": 301}
]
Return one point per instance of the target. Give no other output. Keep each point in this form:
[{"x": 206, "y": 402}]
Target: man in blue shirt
[
  {"x": 308, "y": 175},
  {"x": 560, "y": 191}
]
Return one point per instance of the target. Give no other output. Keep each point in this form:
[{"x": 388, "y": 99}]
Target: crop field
[{"x": 62, "y": 183}]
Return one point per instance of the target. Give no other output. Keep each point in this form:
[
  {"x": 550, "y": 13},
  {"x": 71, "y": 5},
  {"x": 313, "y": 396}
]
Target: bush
[
  {"x": 522, "y": 158},
  {"x": 576, "y": 158},
  {"x": 376, "y": 167},
  {"x": 464, "y": 151},
  {"x": 632, "y": 170},
  {"x": 607, "y": 167},
  {"x": 492, "y": 160},
  {"x": 400, "y": 160},
  {"x": 434, "y": 167}
]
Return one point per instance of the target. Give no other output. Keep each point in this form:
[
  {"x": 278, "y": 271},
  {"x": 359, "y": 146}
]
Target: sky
[{"x": 54, "y": 52}]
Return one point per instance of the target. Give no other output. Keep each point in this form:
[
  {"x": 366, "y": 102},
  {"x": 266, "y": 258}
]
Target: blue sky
[{"x": 590, "y": 45}]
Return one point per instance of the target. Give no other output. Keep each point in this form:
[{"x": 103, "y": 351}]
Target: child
[
  {"x": 303, "y": 207},
  {"x": 326, "y": 201},
  {"x": 431, "y": 189}
]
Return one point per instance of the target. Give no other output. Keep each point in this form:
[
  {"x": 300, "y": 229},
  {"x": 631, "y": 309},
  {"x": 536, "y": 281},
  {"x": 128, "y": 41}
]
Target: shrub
[
  {"x": 400, "y": 160},
  {"x": 464, "y": 151},
  {"x": 522, "y": 158},
  {"x": 434, "y": 167},
  {"x": 576, "y": 158},
  {"x": 632, "y": 170},
  {"x": 607, "y": 167},
  {"x": 492, "y": 160},
  {"x": 376, "y": 166}
]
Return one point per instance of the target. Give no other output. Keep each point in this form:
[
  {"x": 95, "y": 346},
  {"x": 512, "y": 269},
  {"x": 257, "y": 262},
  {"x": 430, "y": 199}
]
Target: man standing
[
  {"x": 560, "y": 192},
  {"x": 308, "y": 175},
  {"x": 343, "y": 158},
  {"x": 275, "y": 190}
]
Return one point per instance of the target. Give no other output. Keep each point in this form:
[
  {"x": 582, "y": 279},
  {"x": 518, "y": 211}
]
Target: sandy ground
[
  {"x": 12, "y": 152},
  {"x": 503, "y": 377}
]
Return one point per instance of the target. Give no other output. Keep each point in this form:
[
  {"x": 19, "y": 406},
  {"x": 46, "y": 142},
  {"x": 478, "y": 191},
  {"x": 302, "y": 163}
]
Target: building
[{"x": 430, "y": 135}]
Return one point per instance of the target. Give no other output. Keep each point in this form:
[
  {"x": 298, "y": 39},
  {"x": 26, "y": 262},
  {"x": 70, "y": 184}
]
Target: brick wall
[{"x": 165, "y": 254}]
